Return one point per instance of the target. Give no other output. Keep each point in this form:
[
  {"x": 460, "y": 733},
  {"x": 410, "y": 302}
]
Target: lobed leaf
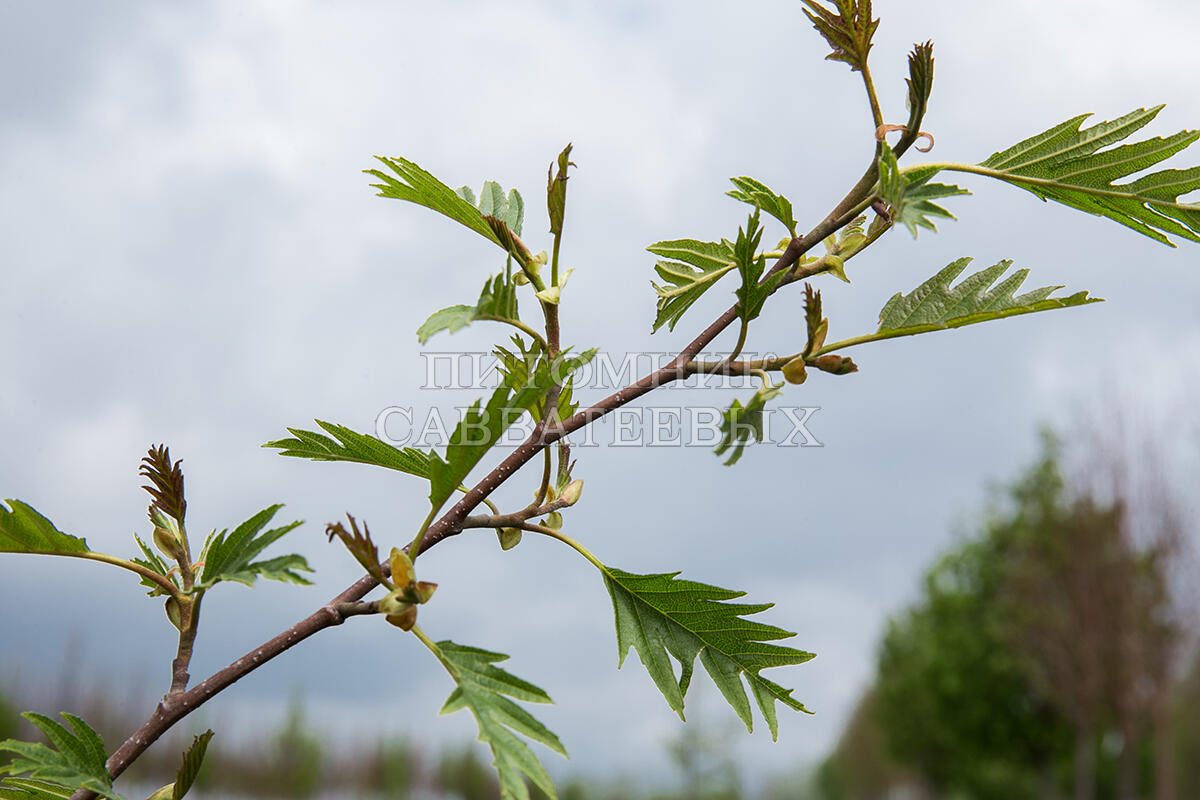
[
  {"x": 497, "y": 301},
  {"x": 740, "y": 424},
  {"x": 848, "y": 29},
  {"x": 1067, "y": 164},
  {"x": 695, "y": 268},
  {"x": 752, "y": 295},
  {"x": 482, "y": 425},
  {"x": 230, "y": 556},
  {"x": 24, "y": 530},
  {"x": 935, "y": 305},
  {"x": 663, "y": 617},
  {"x": 488, "y": 692},
  {"x": 166, "y": 480},
  {"x": 418, "y": 186},
  {"x": 347, "y": 445},
  {"x": 759, "y": 195},
  {"x": 75, "y": 759}
]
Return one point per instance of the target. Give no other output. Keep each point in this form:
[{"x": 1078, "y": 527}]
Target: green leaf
[
  {"x": 348, "y": 445},
  {"x": 1068, "y": 165},
  {"x": 497, "y": 301},
  {"x": 695, "y": 268},
  {"x": 935, "y": 305},
  {"x": 751, "y": 294},
  {"x": 916, "y": 208},
  {"x": 740, "y": 424},
  {"x": 848, "y": 29},
  {"x": 153, "y": 561},
  {"x": 193, "y": 758},
  {"x": 556, "y": 191},
  {"x": 230, "y": 556},
  {"x": 22, "y": 789},
  {"x": 417, "y": 186},
  {"x": 661, "y": 615},
  {"x": 486, "y": 690},
  {"x": 920, "y": 85},
  {"x": 759, "y": 195},
  {"x": 482, "y": 426},
  {"x": 509, "y": 209},
  {"x": 24, "y": 530},
  {"x": 75, "y": 758}
]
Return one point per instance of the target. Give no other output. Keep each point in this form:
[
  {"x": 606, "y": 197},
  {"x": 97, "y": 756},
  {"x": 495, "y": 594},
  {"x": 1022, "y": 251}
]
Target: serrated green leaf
[
  {"x": 193, "y": 758},
  {"x": 497, "y": 301},
  {"x": 482, "y": 425},
  {"x": 752, "y": 295},
  {"x": 348, "y": 445},
  {"x": 935, "y": 305},
  {"x": 759, "y": 195},
  {"x": 230, "y": 556},
  {"x": 485, "y": 690},
  {"x": 22, "y": 789},
  {"x": 661, "y": 615},
  {"x": 75, "y": 759},
  {"x": 153, "y": 561},
  {"x": 910, "y": 194},
  {"x": 740, "y": 424},
  {"x": 418, "y": 186},
  {"x": 848, "y": 29},
  {"x": 24, "y": 530},
  {"x": 508, "y": 208},
  {"x": 695, "y": 268},
  {"x": 1067, "y": 164},
  {"x": 920, "y": 85}
]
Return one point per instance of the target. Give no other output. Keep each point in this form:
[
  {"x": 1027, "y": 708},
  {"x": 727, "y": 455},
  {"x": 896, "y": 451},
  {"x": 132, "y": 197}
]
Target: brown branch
[{"x": 175, "y": 707}]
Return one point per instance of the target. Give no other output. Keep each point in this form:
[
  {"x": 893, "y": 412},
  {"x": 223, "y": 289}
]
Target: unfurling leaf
[
  {"x": 741, "y": 423},
  {"x": 752, "y": 295},
  {"x": 230, "y": 556},
  {"x": 485, "y": 690},
  {"x": 74, "y": 760},
  {"x": 482, "y": 425},
  {"x": 360, "y": 545},
  {"x": 1067, "y": 165},
  {"x": 661, "y": 616},
  {"x": 167, "y": 483},
  {"x": 848, "y": 29},
  {"x": 934, "y": 305},
  {"x": 816, "y": 324},
  {"x": 509, "y": 537},
  {"x": 759, "y": 195},
  {"x": 556, "y": 191},
  {"x": 920, "y": 85},
  {"x": 193, "y": 758},
  {"x": 24, "y": 530}
]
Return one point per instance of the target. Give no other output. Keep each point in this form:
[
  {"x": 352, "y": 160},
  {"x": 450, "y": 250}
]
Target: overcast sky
[{"x": 191, "y": 255}]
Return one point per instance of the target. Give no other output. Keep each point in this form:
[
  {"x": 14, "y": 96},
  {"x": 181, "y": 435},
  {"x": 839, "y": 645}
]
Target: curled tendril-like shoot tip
[{"x": 883, "y": 130}]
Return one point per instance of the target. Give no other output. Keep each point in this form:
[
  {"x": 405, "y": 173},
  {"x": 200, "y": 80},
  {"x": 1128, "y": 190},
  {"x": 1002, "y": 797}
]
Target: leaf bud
[
  {"x": 174, "y": 613},
  {"x": 554, "y": 520},
  {"x": 795, "y": 371},
  {"x": 836, "y": 266},
  {"x": 838, "y": 365},
  {"x": 166, "y": 541},
  {"x": 404, "y": 620},
  {"x": 571, "y": 493},
  {"x": 394, "y": 603},
  {"x": 424, "y": 591},
  {"x": 402, "y": 568},
  {"x": 509, "y": 537}
]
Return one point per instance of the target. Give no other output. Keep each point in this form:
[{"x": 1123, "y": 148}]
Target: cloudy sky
[{"x": 191, "y": 255}]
